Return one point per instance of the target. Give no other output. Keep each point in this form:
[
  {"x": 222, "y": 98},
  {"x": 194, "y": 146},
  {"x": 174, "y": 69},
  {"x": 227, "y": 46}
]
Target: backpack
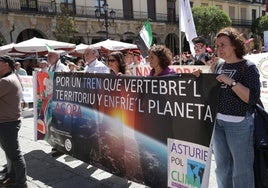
[{"x": 260, "y": 147}]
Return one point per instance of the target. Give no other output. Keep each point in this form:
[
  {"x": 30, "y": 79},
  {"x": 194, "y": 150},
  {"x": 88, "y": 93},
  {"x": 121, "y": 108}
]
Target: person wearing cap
[
  {"x": 200, "y": 45},
  {"x": 43, "y": 65},
  {"x": 128, "y": 57},
  {"x": 19, "y": 70},
  {"x": 55, "y": 64},
  {"x": 136, "y": 57},
  {"x": 93, "y": 65},
  {"x": 10, "y": 123},
  {"x": 133, "y": 57}
]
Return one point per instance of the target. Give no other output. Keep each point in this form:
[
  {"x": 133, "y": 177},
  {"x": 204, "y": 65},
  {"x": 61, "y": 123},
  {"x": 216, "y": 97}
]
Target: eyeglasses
[{"x": 111, "y": 60}]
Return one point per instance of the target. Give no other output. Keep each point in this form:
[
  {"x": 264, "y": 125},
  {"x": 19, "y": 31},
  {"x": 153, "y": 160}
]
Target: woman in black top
[{"x": 239, "y": 92}]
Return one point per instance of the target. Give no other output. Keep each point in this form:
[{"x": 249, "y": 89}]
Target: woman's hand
[
  {"x": 223, "y": 78},
  {"x": 197, "y": 72}
]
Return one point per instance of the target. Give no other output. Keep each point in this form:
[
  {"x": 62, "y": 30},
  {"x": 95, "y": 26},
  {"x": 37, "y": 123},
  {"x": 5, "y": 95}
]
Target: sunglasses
[{"x": 111, "y": 60}]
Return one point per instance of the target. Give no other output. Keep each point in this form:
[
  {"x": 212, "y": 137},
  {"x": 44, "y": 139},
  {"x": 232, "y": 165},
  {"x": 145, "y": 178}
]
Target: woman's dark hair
[
  {"x": 120, "y": 59},
  {"x": 164, "y": 55},
  {"x": 237, "y": 40}
]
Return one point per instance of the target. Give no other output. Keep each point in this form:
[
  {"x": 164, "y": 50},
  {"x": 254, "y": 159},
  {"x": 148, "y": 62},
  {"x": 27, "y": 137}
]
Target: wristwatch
[{"x": 233, "y": 84}]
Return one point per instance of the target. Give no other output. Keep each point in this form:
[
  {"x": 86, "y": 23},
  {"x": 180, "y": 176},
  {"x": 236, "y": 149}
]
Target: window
[
  {"x": 232, "y": 12},
  {"x": 219, "y": 6},
  {"x": 70, "y": 4},
  {"x": 243, "y": 13},
  {"x": 28, "y": 4},
  {"x": 171, "y": 11},
  {"x": 128, "y": 9},
  {"x": 204, "y": 4},
  {"x": 151, "y": 9},
  {"x": 99, "y": 5},
  {"x": 254, "y": 15}
]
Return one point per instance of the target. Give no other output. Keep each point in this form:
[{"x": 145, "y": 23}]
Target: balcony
[
  {"x": 243, "y": 23},
  {"x": 53, "y": 9}
]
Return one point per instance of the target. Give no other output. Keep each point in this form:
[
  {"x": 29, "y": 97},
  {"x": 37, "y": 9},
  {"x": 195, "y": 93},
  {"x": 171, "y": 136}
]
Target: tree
[
  {"x": 65, "y": 27},
  {"x": 260, "y": 25},
  {"x": 209, "y": 20}
]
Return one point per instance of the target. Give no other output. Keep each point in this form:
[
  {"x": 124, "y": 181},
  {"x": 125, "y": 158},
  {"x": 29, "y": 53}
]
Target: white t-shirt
[
  {"x": 96, "y": 67},
  {"x": 58, "y": 67}
]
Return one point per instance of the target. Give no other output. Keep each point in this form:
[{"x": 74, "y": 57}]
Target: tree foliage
[
  {"x": 209, "y": 20},
  {"x": 260, "y": 25},
  {"x": 65, "y": 27}
]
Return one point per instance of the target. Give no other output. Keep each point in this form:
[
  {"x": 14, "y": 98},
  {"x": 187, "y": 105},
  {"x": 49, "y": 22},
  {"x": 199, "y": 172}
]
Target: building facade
[{"x": 122, "y": 21}]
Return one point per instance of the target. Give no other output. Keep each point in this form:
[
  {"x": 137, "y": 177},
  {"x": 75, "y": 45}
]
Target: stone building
[{"x": 24, "y": 19}]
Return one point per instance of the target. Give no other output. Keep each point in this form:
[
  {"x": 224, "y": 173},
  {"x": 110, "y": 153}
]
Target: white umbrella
[
  {"x": 79, "y": 50},
  {"x": 108, "y": 44},
  {"x": 6, "y": 48},
  {"x": 114, "y": 45},
  {"x": 39, "y": 45}
]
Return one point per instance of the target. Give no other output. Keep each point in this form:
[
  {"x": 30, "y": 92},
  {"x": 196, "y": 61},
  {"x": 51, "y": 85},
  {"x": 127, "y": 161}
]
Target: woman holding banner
[
  {"x": 115, "y": 61},
  {"x": 160, "y": 57},
  {"x": 239, "y": 92}
]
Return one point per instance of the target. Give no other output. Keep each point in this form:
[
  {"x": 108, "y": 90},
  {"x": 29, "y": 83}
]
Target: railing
[
  {"x": 245, "y": 1},
  {"x": 49, "y": 8},
  {"x": 237, "y": 22}
]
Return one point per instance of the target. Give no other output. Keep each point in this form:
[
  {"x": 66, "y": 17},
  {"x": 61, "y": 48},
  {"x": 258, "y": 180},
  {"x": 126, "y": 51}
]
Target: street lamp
[{"x": 106, "y": 23}]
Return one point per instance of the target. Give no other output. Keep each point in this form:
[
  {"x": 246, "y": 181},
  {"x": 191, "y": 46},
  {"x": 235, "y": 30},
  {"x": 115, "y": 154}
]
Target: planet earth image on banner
[{"x": 111, "y": 145}]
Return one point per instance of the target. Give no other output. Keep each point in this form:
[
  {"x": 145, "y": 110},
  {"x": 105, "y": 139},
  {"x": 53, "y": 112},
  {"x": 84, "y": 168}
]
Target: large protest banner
[
  {"x": 122, "y": 124},
  {"x": 144, "y": 70},
  {"x": 27, "y": 86}
]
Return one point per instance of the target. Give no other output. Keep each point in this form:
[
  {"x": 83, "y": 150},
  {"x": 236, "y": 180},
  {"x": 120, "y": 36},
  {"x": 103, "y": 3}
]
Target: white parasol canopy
[
  {"x": 79, "y": 50},
  {"x": 114, "y": 45},
  {"x": 39, "y": 45},
  {"x": 108, "y": 44},
  {"x": 6, "y": 48}
]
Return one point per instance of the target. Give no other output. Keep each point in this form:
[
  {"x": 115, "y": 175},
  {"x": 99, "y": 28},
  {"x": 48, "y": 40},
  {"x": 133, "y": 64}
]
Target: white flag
[{"x": 187, "y": 22}]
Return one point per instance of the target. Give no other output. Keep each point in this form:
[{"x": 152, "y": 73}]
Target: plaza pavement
[{"x": 45, "y": 171}]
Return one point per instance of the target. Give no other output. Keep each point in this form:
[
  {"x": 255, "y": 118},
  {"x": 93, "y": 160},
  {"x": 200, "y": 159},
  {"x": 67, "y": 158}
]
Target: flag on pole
[
  {"x": 145, "y": 38},
  {"x": 187, "y": 22},
  {"x": 49, "y": 48}
]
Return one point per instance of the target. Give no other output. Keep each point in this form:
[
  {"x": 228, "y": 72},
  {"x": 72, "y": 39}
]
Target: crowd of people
[
  {"x": 203, "y": 55},
  {"x": 239, "y": 92}
]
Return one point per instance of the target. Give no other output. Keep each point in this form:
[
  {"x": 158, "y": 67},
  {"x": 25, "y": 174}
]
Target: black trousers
[{"x": 10, "y": 144}]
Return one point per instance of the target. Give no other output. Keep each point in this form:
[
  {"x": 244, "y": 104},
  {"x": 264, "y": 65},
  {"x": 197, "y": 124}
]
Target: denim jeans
[
  {"x": 234, "y": 153},
  {"x": 10, "y": 144}
]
